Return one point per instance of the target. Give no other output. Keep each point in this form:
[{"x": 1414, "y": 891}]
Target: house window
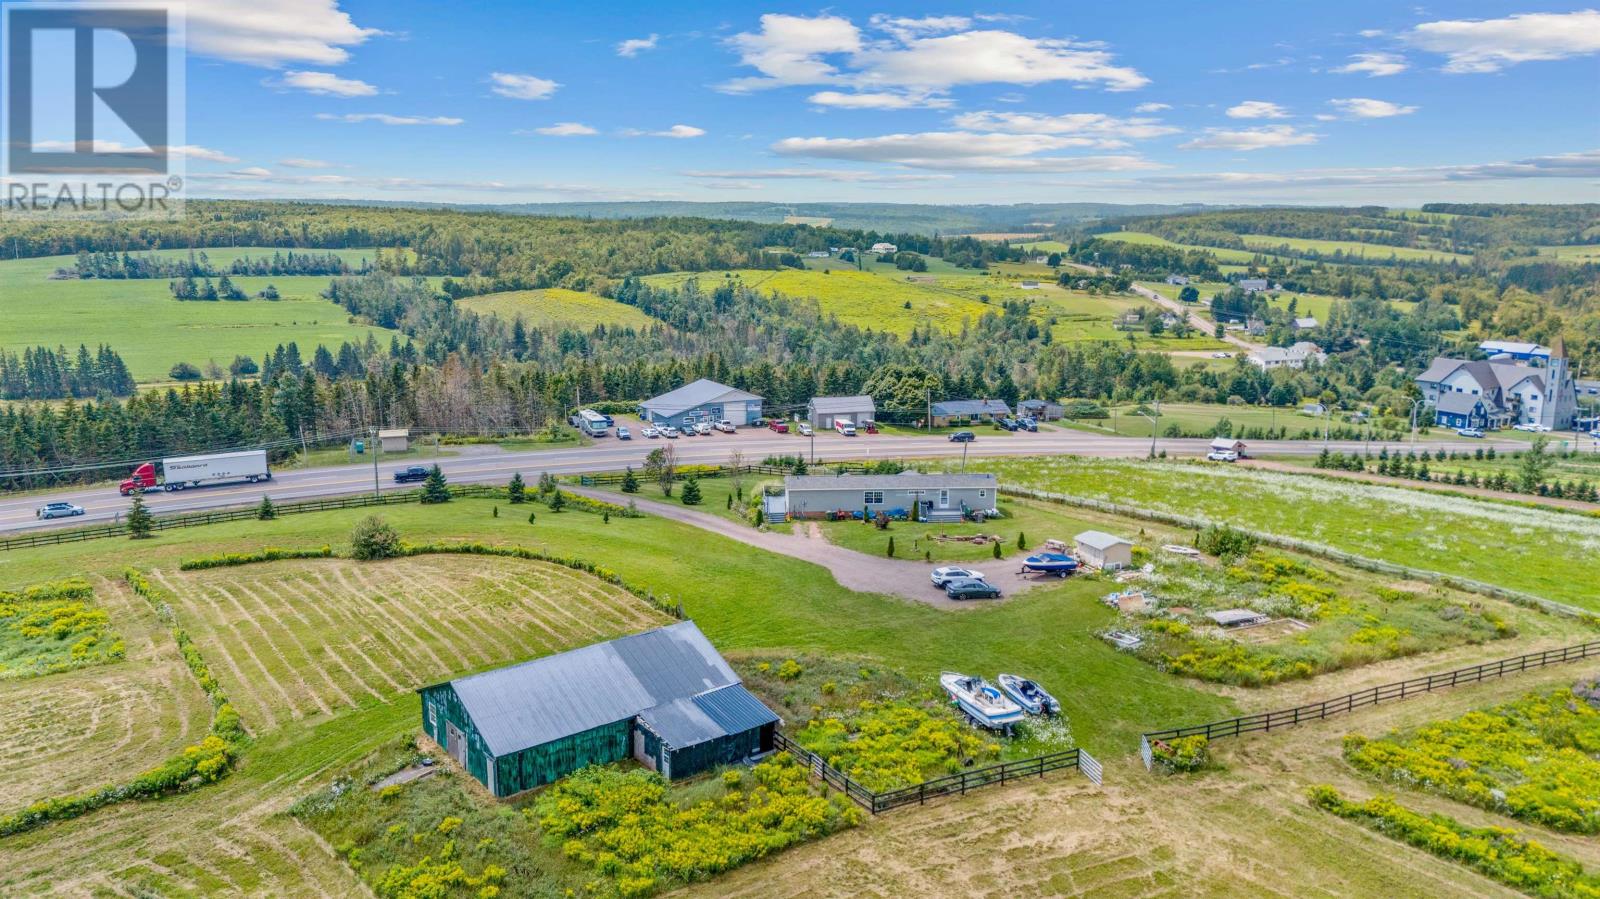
[
  {"x": 872, "y": 498},
  {"x": 982, "y": 494},
  {"x": 431, "y": 722}
]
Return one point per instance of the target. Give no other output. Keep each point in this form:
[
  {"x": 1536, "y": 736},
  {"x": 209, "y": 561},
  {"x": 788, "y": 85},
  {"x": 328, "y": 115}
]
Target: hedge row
[
  {"x": 205, "y": 762},
  {"x": 663, "y": 603},
  {"x": 269, "y": 554}
]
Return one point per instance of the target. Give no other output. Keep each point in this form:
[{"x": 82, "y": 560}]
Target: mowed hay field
[
  {"x": 309, "y": 639},
  {"x": 79, "y": 729},
  {"x": 151, "y": 330},
  {"x": 1372, "y": 251},
  {"x": 557, "y": 306}
]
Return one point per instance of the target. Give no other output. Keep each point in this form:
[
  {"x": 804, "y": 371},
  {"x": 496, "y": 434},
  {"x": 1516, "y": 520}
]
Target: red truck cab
[{"x": 143, "y": 478}]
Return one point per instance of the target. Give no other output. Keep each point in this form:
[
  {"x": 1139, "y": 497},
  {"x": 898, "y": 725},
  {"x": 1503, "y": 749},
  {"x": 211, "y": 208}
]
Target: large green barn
[{"x": 664, "y": 697}]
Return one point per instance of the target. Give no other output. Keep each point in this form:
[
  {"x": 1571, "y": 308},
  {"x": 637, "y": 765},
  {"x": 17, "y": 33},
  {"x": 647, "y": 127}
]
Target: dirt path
[
  {"x": 857, "y": 571},
  {"x": 1387, "y": 481},
  {"x": 1193, "y": 317}
]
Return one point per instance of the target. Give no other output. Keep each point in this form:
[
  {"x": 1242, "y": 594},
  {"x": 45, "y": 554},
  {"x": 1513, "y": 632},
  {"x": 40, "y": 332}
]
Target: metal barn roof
[
  {"x": 906, "y": 480},
  {"x": 535, "y": 702},
  {"x": 694, "y": 394},
  {"x": 971, "y": 407},
  {"x": 711, "y": 715},
  {"x": 1101, "y": 540}
]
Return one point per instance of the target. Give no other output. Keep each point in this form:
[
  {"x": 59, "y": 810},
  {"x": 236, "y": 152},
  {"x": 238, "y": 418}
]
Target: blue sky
[{"x": 489, "y": 101}]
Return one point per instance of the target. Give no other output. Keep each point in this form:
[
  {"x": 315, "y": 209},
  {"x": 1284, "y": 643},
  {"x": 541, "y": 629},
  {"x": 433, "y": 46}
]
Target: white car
[
  {"x": 58, "y": 510},
  {"x": 1531, "y": 426},
  {"x": 702, "y": 429},
  {"x": 726, "y": 426},
  {"x": 1223, "y": 456},
  {"x": 1221, "y": 355},
  {"x": 669, "y": 431},
  {"x": 804, "y": 429},
  {"x": 650, "y": 433},
  {"x": 943, "y": 576}
]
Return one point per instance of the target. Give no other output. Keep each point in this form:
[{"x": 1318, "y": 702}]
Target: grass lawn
[
  {"x": 1578, "y": 253},
  {"x": 1222, "y": 254},
  {"x": 152, "y": 331},
  {"x": 1351, "y": 248},
  {"x": 1457, "y": 536},
  {"x": 558, "y": 306},
  {"x": 1194, "y": 417},
  {"x": 915, "y": 540}
]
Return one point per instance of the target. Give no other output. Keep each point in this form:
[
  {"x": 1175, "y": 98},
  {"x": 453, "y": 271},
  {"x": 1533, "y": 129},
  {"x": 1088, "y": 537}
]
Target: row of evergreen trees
[
  {"x": 129, "y": 266},
  {"x": 41, "y": 373}
]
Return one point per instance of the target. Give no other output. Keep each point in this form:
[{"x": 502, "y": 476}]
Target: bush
[
  {"x": 184, "y": 371},
  {"x": 269, "y": 554},
  {"x": 373, "y": 539},
  {"x": 790, "y": 670},
  {"x": 895, "y": 744},
  {"x": 266, "y": 511},
  {"x": 1182, "y": 753},
  {"x": 1224, "y": 542}
]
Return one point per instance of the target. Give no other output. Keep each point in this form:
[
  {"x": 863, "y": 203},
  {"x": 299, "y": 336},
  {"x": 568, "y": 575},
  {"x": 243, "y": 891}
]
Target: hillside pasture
[
  {"x": 151, "y": 330},
  {"x": 1575, "y": 253},
  {"x": 557, "y": 307},
  {"x": 299, "y": 640},
  {"x": 1222, "y": 254},
  {"x": 1370, "y": 251}
]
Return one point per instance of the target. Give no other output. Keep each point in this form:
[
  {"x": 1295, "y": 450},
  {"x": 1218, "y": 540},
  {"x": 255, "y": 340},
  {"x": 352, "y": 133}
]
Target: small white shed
[
  {"x": 1108, "y": 552},
  {"x": 395, "y": 440}
]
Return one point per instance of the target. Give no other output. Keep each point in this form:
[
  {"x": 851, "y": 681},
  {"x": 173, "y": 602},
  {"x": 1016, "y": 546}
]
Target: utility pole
[
  {"x": 964, "y": 445},
  {"x": 1155, "y": 428},
  {"x": 305, "y": 452},
  {"x": 375, "y": 445},
  {"x": 927, "y": 423}
]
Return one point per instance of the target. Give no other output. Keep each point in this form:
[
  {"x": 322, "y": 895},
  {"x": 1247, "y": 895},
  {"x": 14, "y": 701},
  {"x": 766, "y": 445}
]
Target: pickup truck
[
  {"x": 411, "y": 473},
  {"x": 781, "y": 427}
]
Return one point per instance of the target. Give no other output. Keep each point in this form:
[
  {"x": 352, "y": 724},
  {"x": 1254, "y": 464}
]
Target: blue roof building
[{"x": 702, "y": 400}]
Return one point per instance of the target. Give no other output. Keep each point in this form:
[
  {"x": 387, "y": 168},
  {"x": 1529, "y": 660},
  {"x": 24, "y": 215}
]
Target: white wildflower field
[{"x": 1547, "y": 553}]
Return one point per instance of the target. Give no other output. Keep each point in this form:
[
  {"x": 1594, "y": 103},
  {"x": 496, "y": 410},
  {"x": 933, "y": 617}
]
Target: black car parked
[
  {"x": 971, "y": 588},
  {"x": 414, "y": 473},
  {"x": 963, "y": 437}
]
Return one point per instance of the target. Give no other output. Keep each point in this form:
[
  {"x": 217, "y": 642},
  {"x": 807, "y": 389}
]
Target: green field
[
  {"x": 1222, "y": 254},
  {"x": 879, "y": 300},
  {"x": 557, "y": 306},
  {"x": 1196, "y": 417},
  {"x": 1442, "y": 533},
  {"x": 152, "y": 331},
  {"x": 1577, "y": 253},
  {"x": 1352, "y": 248}
]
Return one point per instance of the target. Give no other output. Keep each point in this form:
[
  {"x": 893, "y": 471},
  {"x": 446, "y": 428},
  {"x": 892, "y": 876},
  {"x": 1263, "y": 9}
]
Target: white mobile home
[{"x": 939, "y": 496}]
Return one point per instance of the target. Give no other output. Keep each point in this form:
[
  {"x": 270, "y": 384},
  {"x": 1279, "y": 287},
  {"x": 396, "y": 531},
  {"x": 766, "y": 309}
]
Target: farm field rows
[
  {"x": 151, "y": 330},
  {"x": 557, "y": 306}
]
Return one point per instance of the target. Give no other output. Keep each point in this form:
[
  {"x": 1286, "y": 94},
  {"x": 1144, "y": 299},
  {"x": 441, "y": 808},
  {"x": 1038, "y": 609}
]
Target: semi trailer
[{"x": 184, "y": 472}]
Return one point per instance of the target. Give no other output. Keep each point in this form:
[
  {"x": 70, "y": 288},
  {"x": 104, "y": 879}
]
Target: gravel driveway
[{"x": 857, "y": 571}]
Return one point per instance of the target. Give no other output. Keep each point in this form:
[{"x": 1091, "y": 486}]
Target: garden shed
[
  {"x": 1108, "y": 552},
  {"x": 665, "y": 697}
]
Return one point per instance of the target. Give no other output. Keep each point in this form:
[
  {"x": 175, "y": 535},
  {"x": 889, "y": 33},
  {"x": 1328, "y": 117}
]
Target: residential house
[
  {"x": 1041, "y": 410},
  {"x": 823, "y": 411},
  {"x": 881, "y": 248},
  {"x": 942, "y": 496},
  {"x": 1029, "y": 285},
  {"x": 664, "y": 697},
  {"x": 950, "y": 411},
  {"x": 1178, "y": 280},
  {"x": 1305, "y": 323},
  {"x": 702, "y": 400},
  {"x": 1252, "y": 285},
  {"x": 1295, "y": 356},
  {"x": 1510, "y": 392}
]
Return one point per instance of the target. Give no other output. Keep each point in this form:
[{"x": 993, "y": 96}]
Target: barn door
[{"x": 455, "y": 744}]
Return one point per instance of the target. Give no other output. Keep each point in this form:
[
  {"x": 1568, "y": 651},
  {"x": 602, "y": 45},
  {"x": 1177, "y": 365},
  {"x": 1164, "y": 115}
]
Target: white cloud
[
  {"x": 635, "y": 45},
  {"x": 565, "y": 129},
  {"x": 1371, "y": 32},
  {"x": 676, "y": 131},
  {"x": 522, "y": 87},
  {"x": 879, "y": 100},
  {"x": 299, "y": 162},
  {"x": 1367, "y": 108},
  {"x": 273, "y": 33},
  {"x": 1081, "y": 123},
  {"x": 1152, "y": 107},
  {"x": 1257, "y": 109},
  {"x": 1584, "y": 164},
  {"x": 326, "y": 83},
  {"x": 100, "y": 145},
  {"x": 914, "y": 55},
  {"x": 1489, "y": 45},
  {"x": 1263, "y": 138},
  {"x": 844, "y": 176},
  {"x": 387, "y": 119},
  {"x": 254, "y": 171},
  {"x": 962, "y": 151},
  {"x": 1374, "y": 65}
]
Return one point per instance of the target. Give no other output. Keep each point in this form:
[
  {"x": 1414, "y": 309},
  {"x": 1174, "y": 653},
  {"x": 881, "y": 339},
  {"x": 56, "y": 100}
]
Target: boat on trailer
[
  {"x": 1058, "y": 564},
  {"x": 982, "y": 701},
  {"x": 1032, "y": 697}
]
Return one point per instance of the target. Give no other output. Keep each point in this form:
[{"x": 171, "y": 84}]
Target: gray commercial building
[
  {"x": 823, "y": 411},
  {"x": 702, "y": 400}
]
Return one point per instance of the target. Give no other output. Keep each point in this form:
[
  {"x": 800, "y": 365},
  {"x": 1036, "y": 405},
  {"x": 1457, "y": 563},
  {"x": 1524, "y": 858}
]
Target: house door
[
  {"x": 638, "y": 750},
  {"x": 944, "y": 499},
  {"x": 455, "y": 744}
]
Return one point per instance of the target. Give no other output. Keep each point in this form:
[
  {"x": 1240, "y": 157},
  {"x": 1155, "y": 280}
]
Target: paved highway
[{"x": 488, "y": 464}]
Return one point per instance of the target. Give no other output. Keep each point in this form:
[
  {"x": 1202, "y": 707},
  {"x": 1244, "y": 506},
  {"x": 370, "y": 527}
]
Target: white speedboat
[
  {"x": 1032, "y": 697},
  {"x": 981, "y": 700}
]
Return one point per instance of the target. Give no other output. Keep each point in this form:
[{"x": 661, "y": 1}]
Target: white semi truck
[{"x": 183, "y": 472}]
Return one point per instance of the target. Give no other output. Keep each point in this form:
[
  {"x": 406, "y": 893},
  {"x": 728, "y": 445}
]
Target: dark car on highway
[
  {"x": 971, "y": 588},
  {"x": 414, "y": 473},
  {"x": 963, "y": 437}
]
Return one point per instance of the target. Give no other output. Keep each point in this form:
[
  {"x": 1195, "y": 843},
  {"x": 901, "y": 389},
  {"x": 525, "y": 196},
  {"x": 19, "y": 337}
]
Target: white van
[{"x": 844, "y": 426}]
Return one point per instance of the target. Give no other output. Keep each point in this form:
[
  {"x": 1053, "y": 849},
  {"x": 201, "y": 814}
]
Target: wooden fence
[
  {"x": 1416, "y": 686},
  {"x": 238, "y": 513},
  {"x": 953, "y": 784}
]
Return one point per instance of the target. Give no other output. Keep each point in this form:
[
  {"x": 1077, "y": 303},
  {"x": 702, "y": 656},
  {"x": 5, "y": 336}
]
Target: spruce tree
[
  {"x": 139, "y": 523},
  {"x": 1022, "y": 540},
  {"x": 516, "y": 491},
  {"x": 891, "y": 546},
  {"x": 434, "y": 489},
  {"x": 630, "y": 484},
  {"x": 266, "y": 511},
  {"x": 558, "y": 500},
  {"x": 996, "y": 546},
  {"x": 691, "y": 492}
]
